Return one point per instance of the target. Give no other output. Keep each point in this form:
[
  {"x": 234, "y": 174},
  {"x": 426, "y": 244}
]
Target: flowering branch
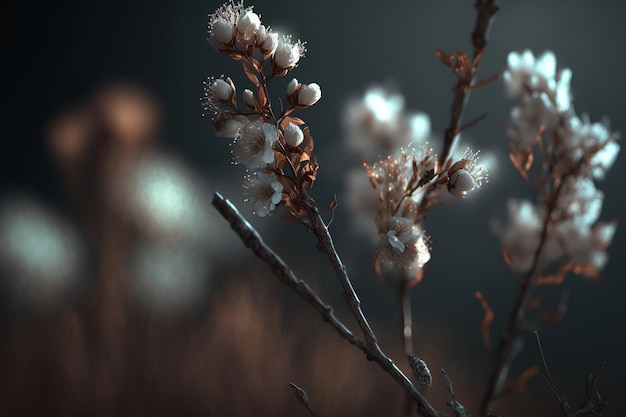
[
  {"x": 563, "y": 231},
  {"x": 372, "y": 350},
  {"x": 510, "y": 344}
]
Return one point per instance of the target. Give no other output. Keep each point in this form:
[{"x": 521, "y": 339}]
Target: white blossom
[
  {"x": 466, "y": 174},
  {"x": 267, "y": 41},
  {"x": 228, "y": 126},
  {"x": 223, "y": 31},
  {"x": 377, "y": 124},
  {"x": 249, "y": 98},
  {"x": 254, "y": 144},
  {"x": 264, "y": 191},
  {"x": 248, "y": 24},
  {"x": 288, "y": 53},
  {"x": 403, "y": 247},
  {"x": 293, "y": 135},
  {"x": 591, "y": 144},
  {"x": 221, "y": 90},
  {"x": 292, "y": 86},
  {"x": 309, "y": 94},
  {"x": 520, "y": 236},
  {"x": 223, "y": 21}
]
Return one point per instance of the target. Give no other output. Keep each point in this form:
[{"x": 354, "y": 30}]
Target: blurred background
[{"x": 122, "y": 292}]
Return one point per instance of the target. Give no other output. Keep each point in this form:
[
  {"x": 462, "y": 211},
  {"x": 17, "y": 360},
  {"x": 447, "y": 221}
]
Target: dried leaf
[
  {"x": 333, "y": 203},
  {"x": 518, "y": 385},
  {"x": 487, "y": 320},
  {"x": 251, "y": 73}
]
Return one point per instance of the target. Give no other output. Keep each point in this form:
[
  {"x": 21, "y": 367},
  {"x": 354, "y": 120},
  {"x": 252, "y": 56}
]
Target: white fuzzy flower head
[
  {"x": 293, "y": 135},
  {"x": 221, "y": 90},
  {"x": 589, "y": 147},
  {"x": 466, "y": 174},
  {"x": 520, "y": 236},
  {"x": 526, "y": 71},
  {"x": 266, "y": 40},
  {"x": 248, "y": 25},
  {"x": 264, "y": 191},
  {"x": 308, "y": 95},
  {"x": 377, "y": 124},
  {"x": 254, "y": 145},
  {"x": 223, "y": 31},
  {"x": 222, "y": 23},
  {"x": 227, "y": 125},
  {"x": 403, "y": 247},
  {"x": 288, "y": 53}
]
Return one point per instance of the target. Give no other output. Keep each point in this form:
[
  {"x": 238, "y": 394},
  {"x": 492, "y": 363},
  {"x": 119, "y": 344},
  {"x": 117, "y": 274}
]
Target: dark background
[{"x": 54, "y": 54}]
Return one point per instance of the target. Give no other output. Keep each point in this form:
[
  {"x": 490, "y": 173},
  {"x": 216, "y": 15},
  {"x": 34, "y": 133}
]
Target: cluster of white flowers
[
  {"x": 403, "y": 246},
  {"x": 259, "y": 136},
  {"x": 377, "y": 124},
  {"x": 578, "y": 152}
]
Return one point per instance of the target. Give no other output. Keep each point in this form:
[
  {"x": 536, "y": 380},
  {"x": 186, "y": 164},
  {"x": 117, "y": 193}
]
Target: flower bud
[
  {"x": 291, "y": 87},
  {"x": 223, "y": 31},
  {"x": 287, "y": 54},
  {"x": 309, "y": 95},
  {"x": 460, "y": 182},
  {"x": 269, "y": 43},
  {"x": 248, "y": 98},
  {"x": 221, "y": 90},
  {"x": 293, "y": 135},
  {"x": 248, "y": 24}
]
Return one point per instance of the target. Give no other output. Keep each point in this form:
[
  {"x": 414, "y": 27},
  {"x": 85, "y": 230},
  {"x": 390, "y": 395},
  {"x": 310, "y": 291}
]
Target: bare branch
[{"x": 372, "y": 350}]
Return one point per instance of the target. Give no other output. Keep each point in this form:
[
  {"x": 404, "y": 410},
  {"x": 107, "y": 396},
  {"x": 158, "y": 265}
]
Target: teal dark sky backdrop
[{"x": 54, "y": 54}]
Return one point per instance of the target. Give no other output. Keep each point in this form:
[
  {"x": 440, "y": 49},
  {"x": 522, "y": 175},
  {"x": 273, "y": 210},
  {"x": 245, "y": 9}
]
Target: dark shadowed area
[{"x": 122, "y": 292}]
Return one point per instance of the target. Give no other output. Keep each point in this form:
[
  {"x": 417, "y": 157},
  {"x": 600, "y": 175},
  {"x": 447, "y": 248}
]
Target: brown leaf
[
  {"x": 487, "y": 319},
  {"x": 251, "y": 72}
]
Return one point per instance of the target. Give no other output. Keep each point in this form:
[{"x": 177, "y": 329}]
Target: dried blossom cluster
[
  {"x": 276, "y": 149},
  {"x": 574, "y": 153},
  {"x": 406, "y": 183}
]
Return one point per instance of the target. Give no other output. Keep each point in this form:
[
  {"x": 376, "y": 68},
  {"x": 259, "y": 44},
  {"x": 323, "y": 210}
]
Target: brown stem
[
  {"x": 510, "y": 344},
  {"x": 406, "y": 327},
  {"x": 487, "y": 10},
  {"x": 371, "y": 348}
]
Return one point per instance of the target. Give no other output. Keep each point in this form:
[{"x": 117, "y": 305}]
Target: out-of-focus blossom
[
  {"x": 169, "y": 278},
  {"x": 519, "y": 237},
  {"x": 377, "y": 125},
  {"x": 264, "y": 191},
  {"x": 254, "y": 145},
  {"x": 403, "y": 247},
  {"x": 41, "y": 257},
  {"x": 588, "y": 148}
]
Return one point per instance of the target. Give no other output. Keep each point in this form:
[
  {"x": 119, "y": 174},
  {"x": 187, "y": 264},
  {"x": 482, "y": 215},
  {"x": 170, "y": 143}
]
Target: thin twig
[
  {"x": 253, "y": 240},
  {"x": 406, "y": 326},
  {"x": 372, "y": 350},
  {"x": 487, "y": 10}
]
